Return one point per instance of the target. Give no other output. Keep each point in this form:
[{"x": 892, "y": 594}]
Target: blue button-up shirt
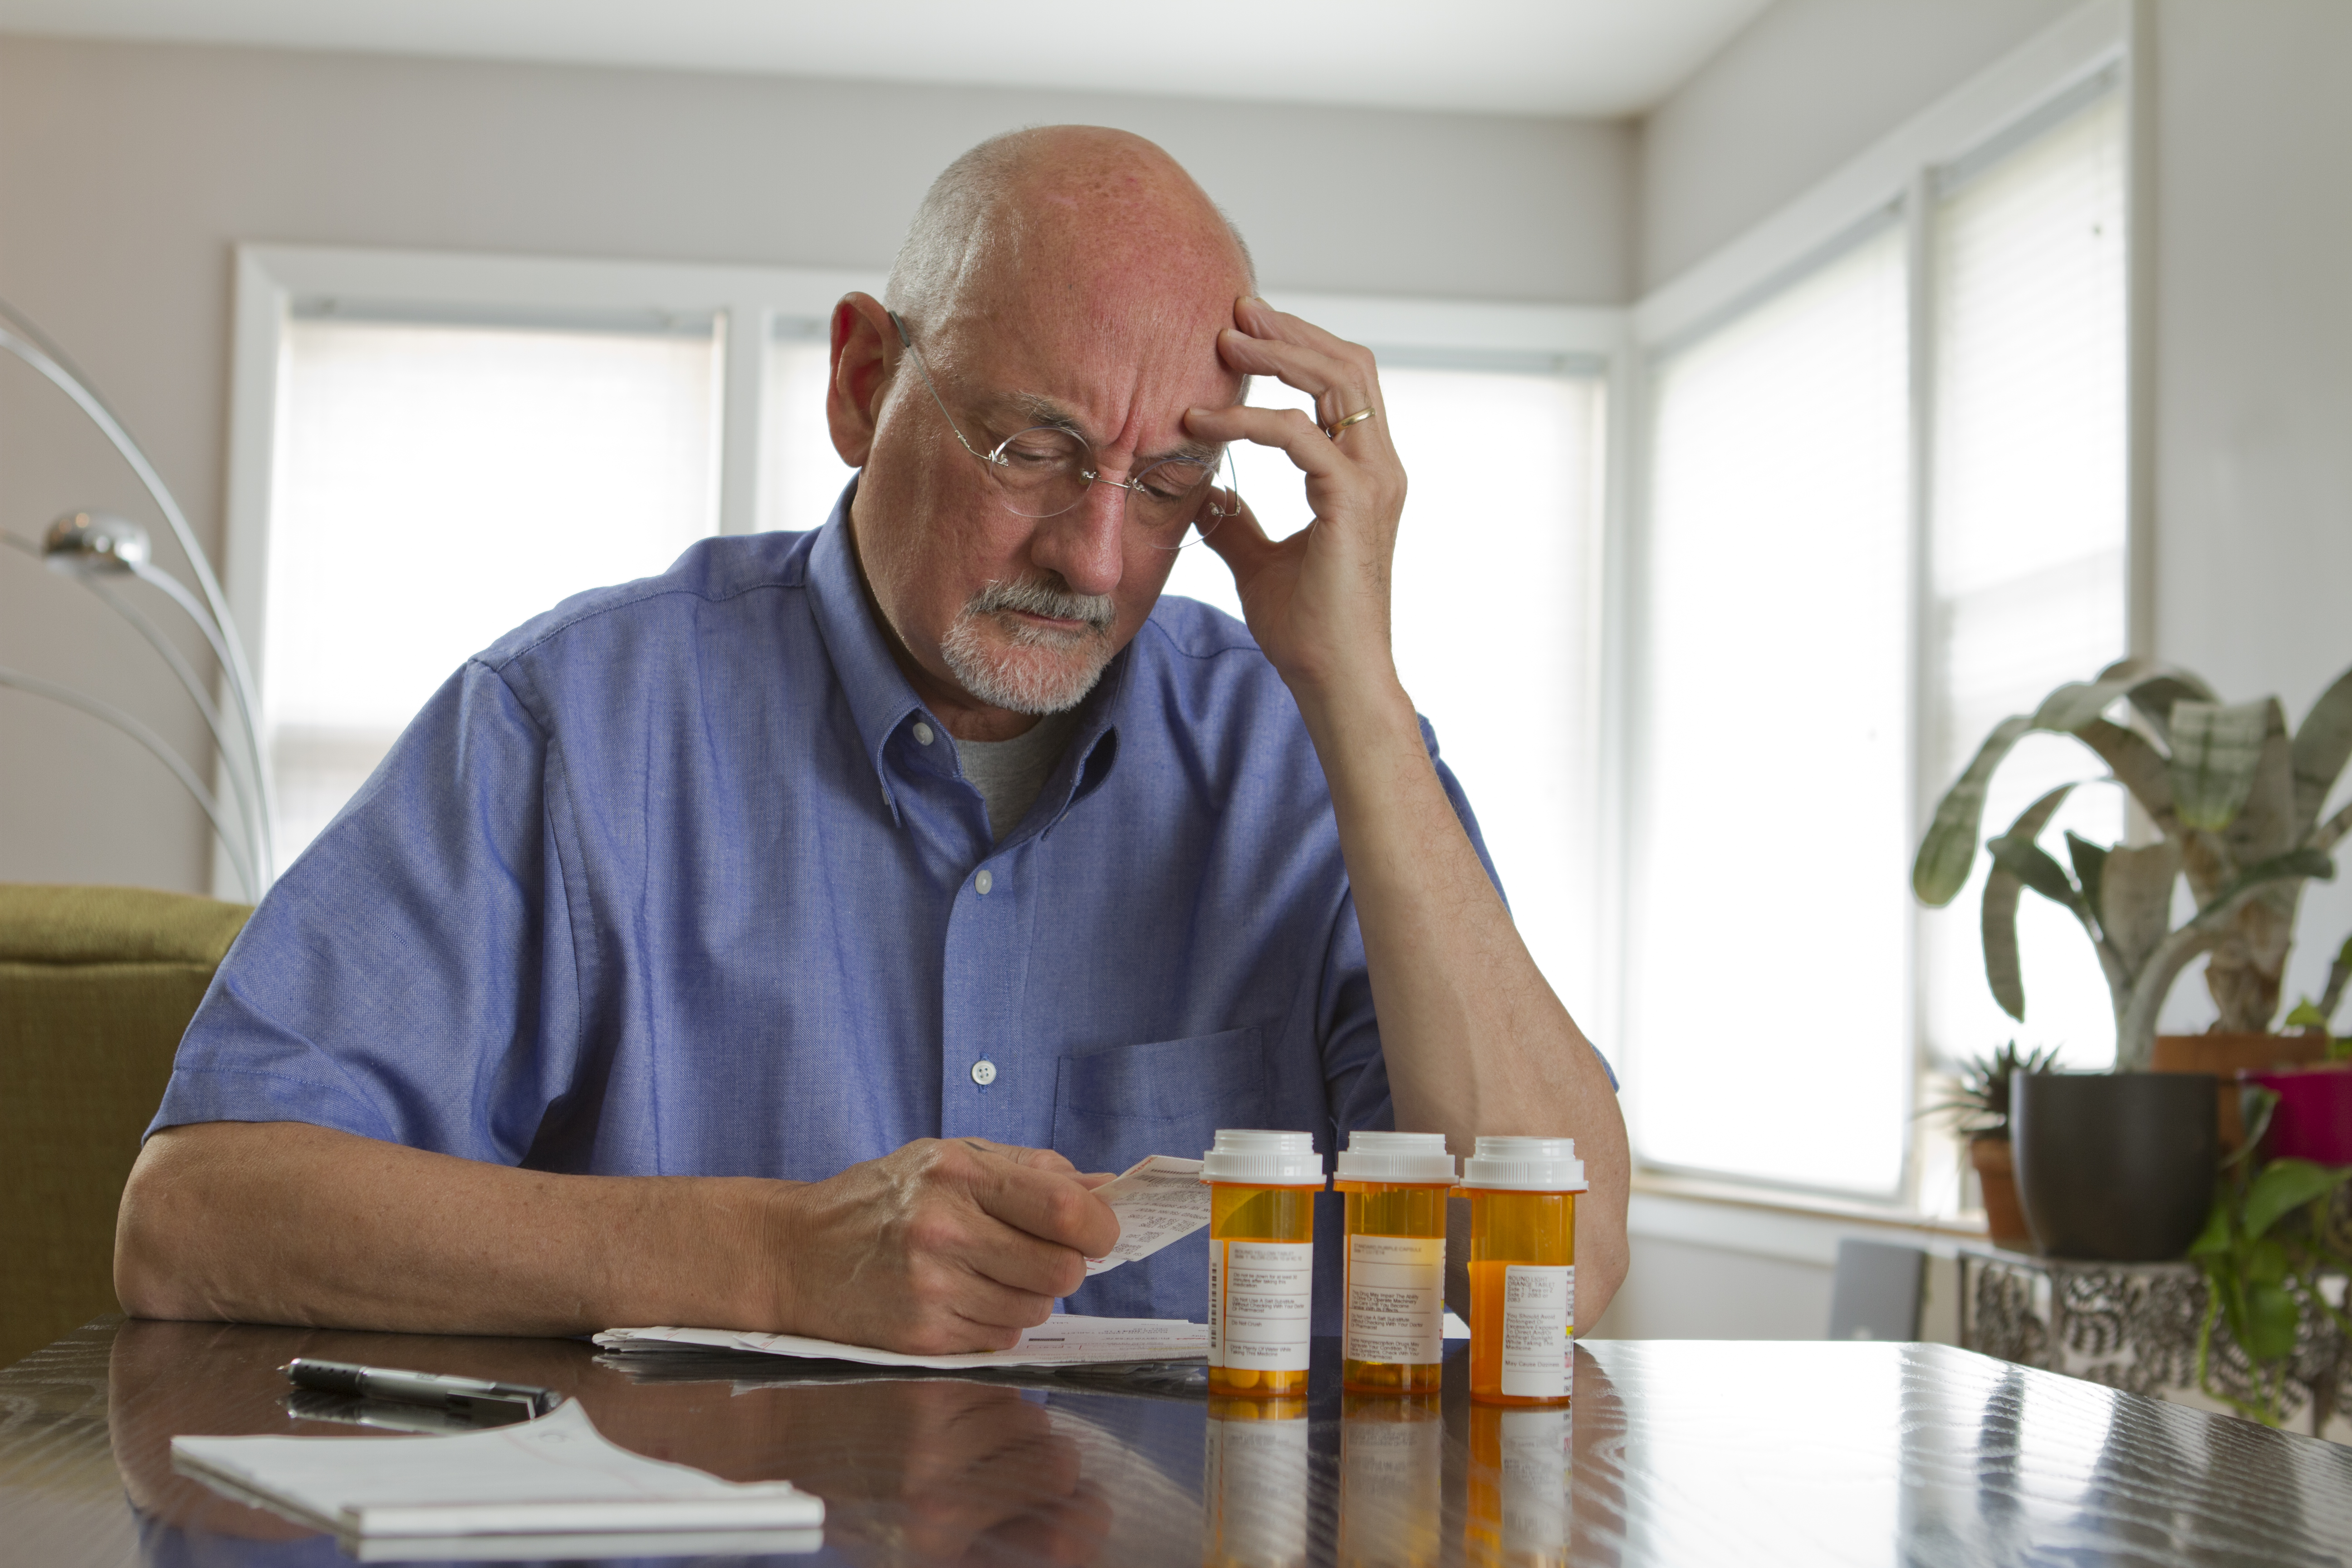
[{"x": 681, "y": 879}]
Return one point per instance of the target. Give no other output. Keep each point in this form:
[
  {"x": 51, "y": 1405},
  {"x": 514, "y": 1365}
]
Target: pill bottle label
[
  {"x": 1533, "y": 1455},
  {"x": 1396, "y": 1299},
  {"x": 1259, "y": 1291},
  {"x": 1536, "y": 1310}
]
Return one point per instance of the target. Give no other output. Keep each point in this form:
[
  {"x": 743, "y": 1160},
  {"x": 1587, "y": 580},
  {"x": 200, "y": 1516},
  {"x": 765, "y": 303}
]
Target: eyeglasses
[{"x": 1046, "y": 470}]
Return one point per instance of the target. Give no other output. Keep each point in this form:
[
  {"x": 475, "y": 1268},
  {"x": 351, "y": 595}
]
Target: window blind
[
  {"x": 1767, "y": 937},
  {"x": 2027, "y": 522},
  {"x": 436, "y": 486}
]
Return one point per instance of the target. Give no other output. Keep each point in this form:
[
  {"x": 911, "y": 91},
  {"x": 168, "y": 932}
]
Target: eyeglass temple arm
[{"x": 924, "y": 371}]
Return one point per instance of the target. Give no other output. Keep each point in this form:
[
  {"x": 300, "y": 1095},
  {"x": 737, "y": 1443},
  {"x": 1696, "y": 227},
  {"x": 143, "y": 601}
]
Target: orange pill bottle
[
  {"x": 1262, "y": 1188},
  {"x": 1393, "y": 1320},
  {"x": 1522, "y": 1194}
]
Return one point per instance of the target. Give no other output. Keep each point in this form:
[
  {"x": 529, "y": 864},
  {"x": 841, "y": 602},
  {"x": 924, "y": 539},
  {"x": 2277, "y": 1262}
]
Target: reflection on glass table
[{"x": 1670, "y": 1452}]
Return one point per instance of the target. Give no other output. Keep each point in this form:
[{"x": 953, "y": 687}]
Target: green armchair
[{"x": 96, "y": 985}]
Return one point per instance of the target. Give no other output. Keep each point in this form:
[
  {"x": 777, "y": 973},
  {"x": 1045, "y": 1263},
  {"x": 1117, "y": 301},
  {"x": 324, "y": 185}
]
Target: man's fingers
[
  {"x": 1289, "y": 429},
  {"x": 1260, "y": 319},
  {"x": 1047, "y": 1205},
  {"x": 1022, "y": 1155},
  {"x": 1340, "y": 387}
]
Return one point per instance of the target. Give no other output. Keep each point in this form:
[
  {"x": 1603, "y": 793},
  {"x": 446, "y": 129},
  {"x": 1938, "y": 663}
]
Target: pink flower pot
[{"x": 2313, "y": 1119}]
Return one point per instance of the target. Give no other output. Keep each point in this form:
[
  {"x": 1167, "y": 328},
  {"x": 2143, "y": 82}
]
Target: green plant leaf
[
  {"x": 2032, "y": 865},
  {"x": 2262, "y": 1262},
  {"x": 2153, "y": 688},
  {"x": 2264, "y": 825},
  {"x": 2285, "y": 1185},
  {"x": 2256, "y": 1106},
  {"x": 2213, "y": 1241},
  {"x": 1949, "y": 848},
  {"x": 2138, "y": 767},
  {"x": 2216, "y": 751},
  {"x": 2322, "y": 746},
  {"x": 2135, "y": 900},
  {"x": 1998, "y": 916},
  {"x": 2272, "y": 1318},
  {"x": 2090, "y": 862},
  {"x": 1996, "y": 920},
  {"x": 2308, "y": 863},
  {"x": 2231, "y": 1286},
  {"x": 2306, "y": 1015}
]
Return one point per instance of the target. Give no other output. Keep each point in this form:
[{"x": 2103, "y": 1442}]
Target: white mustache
[{"x": 1035, "y": 598}]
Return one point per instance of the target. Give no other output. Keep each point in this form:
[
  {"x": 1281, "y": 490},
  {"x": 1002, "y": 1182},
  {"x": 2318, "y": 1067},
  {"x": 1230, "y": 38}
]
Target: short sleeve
[{"x": 413, "y": 976}]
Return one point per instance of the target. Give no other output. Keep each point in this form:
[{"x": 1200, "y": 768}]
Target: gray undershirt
[{"x": 1011, "y": 773}]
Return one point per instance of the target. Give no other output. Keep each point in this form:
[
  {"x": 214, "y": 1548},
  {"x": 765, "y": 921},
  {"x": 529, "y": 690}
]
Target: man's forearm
[
  {"x": 287, "y": 1223},
  {"x": 1475, "y": 1039}
]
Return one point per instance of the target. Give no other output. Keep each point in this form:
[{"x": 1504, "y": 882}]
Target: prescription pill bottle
[
  {"x": 1393, "y": 1322},
  {"x": 1262, "y": 1188},
  {"x": 1522, "y": 1194}
]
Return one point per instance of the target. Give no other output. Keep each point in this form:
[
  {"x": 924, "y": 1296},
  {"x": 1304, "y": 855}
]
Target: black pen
[{"x": 491, "y": 1404}]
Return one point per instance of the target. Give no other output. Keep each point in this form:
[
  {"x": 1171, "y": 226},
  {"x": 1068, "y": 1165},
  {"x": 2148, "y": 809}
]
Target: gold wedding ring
[{"x": 1358, "y": 417}]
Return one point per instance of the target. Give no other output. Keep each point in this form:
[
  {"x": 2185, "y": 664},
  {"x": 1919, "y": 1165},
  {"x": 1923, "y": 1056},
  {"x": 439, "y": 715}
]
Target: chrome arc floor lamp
[{"x": 99, "y": 550}]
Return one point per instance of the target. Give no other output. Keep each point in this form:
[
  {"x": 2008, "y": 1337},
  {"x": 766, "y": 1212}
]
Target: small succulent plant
[{"x": 1982, "y": 1102}]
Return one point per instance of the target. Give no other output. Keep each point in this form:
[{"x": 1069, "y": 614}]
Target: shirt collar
[{"x": 881, "y": 700}]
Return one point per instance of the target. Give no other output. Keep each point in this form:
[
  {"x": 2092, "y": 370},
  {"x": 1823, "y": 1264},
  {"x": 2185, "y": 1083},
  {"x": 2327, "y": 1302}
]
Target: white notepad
[
  {"x": 553, "y": 1477},
  {"x": 1062, "y": 1340}
]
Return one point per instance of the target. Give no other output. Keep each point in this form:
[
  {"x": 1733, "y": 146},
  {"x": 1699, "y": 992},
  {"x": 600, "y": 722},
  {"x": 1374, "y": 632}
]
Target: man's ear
[{"x": 863, "y": 338}]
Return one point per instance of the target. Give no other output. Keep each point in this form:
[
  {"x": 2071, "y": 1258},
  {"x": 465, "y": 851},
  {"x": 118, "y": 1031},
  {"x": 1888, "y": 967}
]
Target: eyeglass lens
[{"x": 1044, "y": 472}]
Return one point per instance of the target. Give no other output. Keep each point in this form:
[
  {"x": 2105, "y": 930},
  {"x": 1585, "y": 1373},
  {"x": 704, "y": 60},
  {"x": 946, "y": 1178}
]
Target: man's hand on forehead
[{"x": 1317, "y": 602}]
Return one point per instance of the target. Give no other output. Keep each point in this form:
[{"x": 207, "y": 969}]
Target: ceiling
[{"x": 1597, "y": 58}]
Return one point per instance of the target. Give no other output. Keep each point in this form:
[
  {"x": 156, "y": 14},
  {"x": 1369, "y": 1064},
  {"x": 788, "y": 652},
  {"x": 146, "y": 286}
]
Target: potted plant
[
  {"x": 2265, "y": 1244},
  {"x": 1980, "y": 1108},
  {"x": 2235, "y": 803}
]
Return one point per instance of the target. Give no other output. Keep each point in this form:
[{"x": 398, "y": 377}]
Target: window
[
  {"x": 440, "y": 483},
  {"x": 1880, "y": 517},
  {"x": 2028, "y": 539},
  {"x": 1768, "y": 910}
]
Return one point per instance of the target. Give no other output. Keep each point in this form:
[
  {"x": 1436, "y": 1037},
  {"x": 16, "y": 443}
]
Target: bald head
[{"x": 1089, "y": 217}]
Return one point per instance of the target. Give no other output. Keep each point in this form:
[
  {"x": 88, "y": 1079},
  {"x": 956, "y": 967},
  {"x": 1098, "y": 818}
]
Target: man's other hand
[{"x": 944, "y": 1245}]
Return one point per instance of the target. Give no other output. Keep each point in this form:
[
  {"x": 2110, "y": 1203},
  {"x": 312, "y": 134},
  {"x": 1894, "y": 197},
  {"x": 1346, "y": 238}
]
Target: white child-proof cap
[
  {"x": 1524, "y": 1165},
  {"x": 1265, "y": 1159},
  {"x": 1396, "y": 1157}
]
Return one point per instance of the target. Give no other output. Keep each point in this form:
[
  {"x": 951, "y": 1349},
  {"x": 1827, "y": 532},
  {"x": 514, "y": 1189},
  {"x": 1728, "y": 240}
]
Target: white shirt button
[
  {"x": 923, "y": 735},
  {"x": 983, "y": 882},
  {"x": 983, "y": 1073}
]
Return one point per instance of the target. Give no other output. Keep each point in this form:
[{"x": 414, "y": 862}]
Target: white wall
[
  {"x": 1805, "y": 87},
  {"x": 2254, "y": 366},
  {"x": 127, "y": 173}
]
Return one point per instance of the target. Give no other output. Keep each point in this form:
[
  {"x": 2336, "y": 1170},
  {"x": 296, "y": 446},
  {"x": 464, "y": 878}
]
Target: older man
[{"x": 772, "y": 943}]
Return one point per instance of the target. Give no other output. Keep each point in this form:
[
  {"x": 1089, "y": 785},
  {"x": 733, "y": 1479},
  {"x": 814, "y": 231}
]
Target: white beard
[{"x": 1027, "y": 668}]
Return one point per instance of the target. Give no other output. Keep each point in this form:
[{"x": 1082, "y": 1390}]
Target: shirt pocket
[{"x": 1113, "y": 1105}]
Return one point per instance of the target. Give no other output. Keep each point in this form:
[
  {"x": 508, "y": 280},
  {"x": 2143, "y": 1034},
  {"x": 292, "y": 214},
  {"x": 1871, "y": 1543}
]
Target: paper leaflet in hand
[{"x": 1158, "y": 1200}]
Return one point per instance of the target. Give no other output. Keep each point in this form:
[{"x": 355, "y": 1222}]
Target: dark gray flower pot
[{"x": 2117, "y": 1167}]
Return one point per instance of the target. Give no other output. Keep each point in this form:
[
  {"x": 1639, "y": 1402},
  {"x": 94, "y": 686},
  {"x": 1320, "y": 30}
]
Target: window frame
[{"x": 1907, "y": 172}]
